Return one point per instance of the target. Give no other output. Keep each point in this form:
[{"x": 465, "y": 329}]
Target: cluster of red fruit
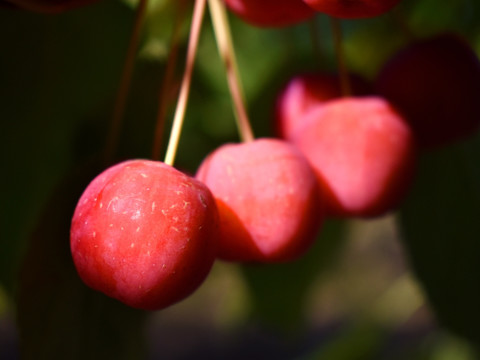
[
  {"x": 147, "y": 234},
  {"x": 288, "y": 12}
]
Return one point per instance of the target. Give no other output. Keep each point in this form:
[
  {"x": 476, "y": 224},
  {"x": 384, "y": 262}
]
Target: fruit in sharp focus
[
  {"x": 351, "y": 9},
  {"x": 307, "y": 91},
  {"x": 144, "y": 233},
  {"x": 436, "y": 84},
  {"x": 362, "y": 152},
  {"x": 270, "y": 13},
  {"x": 268, "y": 200}
]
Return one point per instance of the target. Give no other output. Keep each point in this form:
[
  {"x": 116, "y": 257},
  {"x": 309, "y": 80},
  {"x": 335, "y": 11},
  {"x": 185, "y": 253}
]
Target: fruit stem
[
  {"x": 178, "y": 118},
  {"x": 227, "y": 53},
  {"x": 342, "y": 68},
  {"x": 126, "y": 77},
  {"x": 167, "y": 83}
]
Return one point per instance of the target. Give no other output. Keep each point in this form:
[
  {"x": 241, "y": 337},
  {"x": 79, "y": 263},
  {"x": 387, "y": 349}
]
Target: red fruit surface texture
[
  {"x": 271, "y": 13},
  {"x": 144, "y": 233},
  {"x": 436, "y": 84},
  {"x": 362, "y": 152},
  {"x": 352, "y": 9},
  {"x": 268, "y": 200},
  {"x": 306, "y": 91}
]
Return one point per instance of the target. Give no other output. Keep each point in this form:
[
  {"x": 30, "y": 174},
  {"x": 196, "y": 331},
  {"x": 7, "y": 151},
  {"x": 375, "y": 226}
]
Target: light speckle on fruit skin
[{"x": 133, "y": 238}]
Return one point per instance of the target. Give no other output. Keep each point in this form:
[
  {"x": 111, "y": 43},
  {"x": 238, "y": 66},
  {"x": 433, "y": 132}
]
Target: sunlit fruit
[
  {"x": 306, "y": 91},
  {"x": 144, "y": 233},
  {"x": 362, "y": 151},
  {"x": 269, "y": 206}
]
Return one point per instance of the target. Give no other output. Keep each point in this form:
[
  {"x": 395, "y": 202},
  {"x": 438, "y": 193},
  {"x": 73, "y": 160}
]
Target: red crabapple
[
  {"x": 307, "y": 91},
  {"x": 362, "y": 152},
  {"x": 267, "y": 198},
  {"x": 144, "y": 233},
  {"x": 352, "y": 9},
  {"x": 271, "y": 13},
  {"x": 436, "y": 84}
]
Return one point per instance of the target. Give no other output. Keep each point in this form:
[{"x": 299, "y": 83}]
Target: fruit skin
[
  {"x": 271, "y": 13},
  {"x": 436, "y": 84},
  {"x": 352, "y": 9},
  {"x": 268, "y": 199},
  {"x": 363, "y": 153},
  {"x": 144, "y": 233},
  {"x": 306, "y": 91}
]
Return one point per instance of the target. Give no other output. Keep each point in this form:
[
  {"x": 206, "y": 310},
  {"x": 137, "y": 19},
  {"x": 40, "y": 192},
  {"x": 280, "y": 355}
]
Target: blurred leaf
[
  {"x": 441, "y": 232},
  {"x": 58, "y": 316},
  {"x": 278, "y": 291},
  {"x": 360, "y": 341},
  {"x": 54, "y": 72}
]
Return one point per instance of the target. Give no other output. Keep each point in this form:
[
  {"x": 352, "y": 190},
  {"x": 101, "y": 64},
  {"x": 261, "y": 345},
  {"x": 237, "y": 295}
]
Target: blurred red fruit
[
  {"x": 362, "y": 152},
  {"x": 271, "y": 13},
  {"x": 307, "y": 91},
  {"x": 268, "y": 200},
  {"x": 351, "y": 9},
  {"x": 436, "y": 84}
]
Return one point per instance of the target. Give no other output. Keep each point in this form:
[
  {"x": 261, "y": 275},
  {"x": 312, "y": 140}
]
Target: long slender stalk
[
  {"x": 196, "y": 26},
  {"x": 342, "y": 68},
  {"x": 181, "y": 7},
  {"x": 227, "y": 53},
  {"x": 122, "y": 92}
]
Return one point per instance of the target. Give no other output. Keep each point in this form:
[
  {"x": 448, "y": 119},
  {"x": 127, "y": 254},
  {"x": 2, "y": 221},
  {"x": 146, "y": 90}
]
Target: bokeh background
[{"x": 403, "y": 286}]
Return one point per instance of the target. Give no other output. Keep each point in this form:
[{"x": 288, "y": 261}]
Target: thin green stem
[
  {"x": 227, "y": 53},
  {"x": 179, "y": 116},
  {"x": 342, "y": 68},
  {"x": 122, "y": 92}
]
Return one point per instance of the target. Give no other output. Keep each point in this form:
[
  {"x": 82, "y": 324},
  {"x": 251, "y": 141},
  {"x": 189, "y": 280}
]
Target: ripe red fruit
[
  {"x": 351, "y": 9},
  {"x": 436, "y": 84},
  {"x": 362, "y": 152},
  {"x": 307, "y": 91},
  {"x": 144, "y": 233},
  {"x": 268, "y": 200},
  {"x": 270, "y": 13}
]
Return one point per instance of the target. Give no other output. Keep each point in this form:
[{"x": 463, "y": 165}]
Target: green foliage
[
  {"x": 279, "y": 291},
  {"x": 440, "y": 227}
]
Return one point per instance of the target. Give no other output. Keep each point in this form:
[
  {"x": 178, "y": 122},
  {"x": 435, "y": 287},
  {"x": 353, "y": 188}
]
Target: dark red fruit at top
[
  {"x": 271, "y": 13},
  {"x": 351, "y": 9},
  {"x": 362, "y": 152},
  {"x": 307, "y": 91},
  {"x": 144, "y": 233},
  {"x": 268, "y": 200},
  {"x": 50, "y": 6},
  {"x": 436, "y": 84}
]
